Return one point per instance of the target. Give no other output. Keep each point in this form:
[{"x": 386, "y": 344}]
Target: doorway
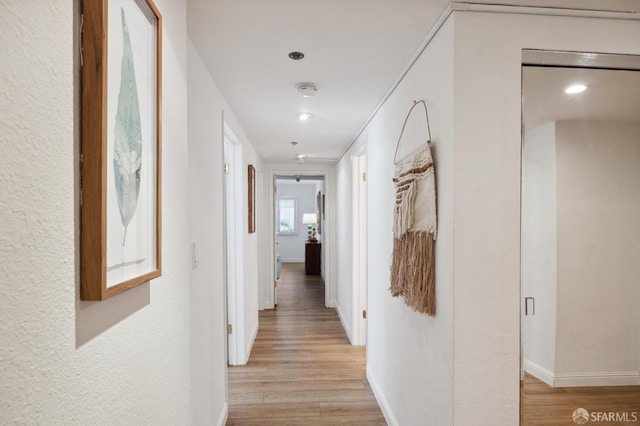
[
  {"x": 300, "y": 197},
  {"x": 580, "y": 237},
  {"x": 359, "y": 272}
]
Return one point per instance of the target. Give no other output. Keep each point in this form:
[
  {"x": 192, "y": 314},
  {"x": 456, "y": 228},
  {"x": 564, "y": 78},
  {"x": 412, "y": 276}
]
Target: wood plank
[{"x": 302, "y": 369}]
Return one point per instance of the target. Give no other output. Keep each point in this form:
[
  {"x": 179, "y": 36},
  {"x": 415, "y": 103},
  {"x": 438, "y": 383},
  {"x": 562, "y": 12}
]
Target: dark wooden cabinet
[{"x": 312, "y": 258}]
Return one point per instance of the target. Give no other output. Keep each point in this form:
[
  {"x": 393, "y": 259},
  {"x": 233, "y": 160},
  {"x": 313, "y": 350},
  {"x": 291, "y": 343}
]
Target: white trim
[
  {"x": 605, "y": 378},
  {"x": 382, "y": 401},
  {"x": 488, "y": 8},
  {"x": 539, "y": 372},
  {"x": 346, "y": 327},
  {"x": 544, "y": 11},
  {"x": 224, "y": 415},
  {"x": 252, "y": 340},
  {"x": 621, "y": 378}
]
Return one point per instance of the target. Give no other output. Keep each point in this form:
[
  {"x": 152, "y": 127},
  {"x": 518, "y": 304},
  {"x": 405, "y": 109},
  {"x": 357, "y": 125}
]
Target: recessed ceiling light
[
  {"x": 296, "y": 56},
  {"x": 307, "y": 90},
  {"x": 304, "y": 116},
  {"x": 575, "y": 88}
]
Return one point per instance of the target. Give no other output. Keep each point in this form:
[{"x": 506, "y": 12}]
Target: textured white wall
[
  {"x": 251, "y": 258},
  {"x": 208, "y": 304},
  {"x": 487, "y": 204},
  {"x": 598, "y": 248},
  {"x": 589, "y": 259},
  {"x": 207, "y": 107},
  {"x": 539, "y": 257},
  {"x": 475, "y": 96},
  {"x": 63, "y": 361},
  {"x": 409, "y": 355}
]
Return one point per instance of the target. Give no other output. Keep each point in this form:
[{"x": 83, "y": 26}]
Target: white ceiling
[{"x": 355, "y": 50}]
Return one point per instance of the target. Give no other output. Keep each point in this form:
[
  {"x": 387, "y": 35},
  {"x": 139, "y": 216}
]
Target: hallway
[{"x": 302, "y": 369}]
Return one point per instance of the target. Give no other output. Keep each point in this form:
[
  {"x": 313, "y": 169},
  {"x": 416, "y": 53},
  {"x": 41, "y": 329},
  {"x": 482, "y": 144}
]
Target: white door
[{"x": 234, "y": 252}]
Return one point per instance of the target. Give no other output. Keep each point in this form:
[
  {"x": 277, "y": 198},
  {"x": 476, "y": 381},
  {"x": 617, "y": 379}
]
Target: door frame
[
  {"x": 234, "y": 247},
  {"x": 359, "y": 249}
]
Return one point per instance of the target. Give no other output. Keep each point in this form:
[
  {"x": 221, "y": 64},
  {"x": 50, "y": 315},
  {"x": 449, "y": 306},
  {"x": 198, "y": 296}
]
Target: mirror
[{"x": 580, "y": 239}]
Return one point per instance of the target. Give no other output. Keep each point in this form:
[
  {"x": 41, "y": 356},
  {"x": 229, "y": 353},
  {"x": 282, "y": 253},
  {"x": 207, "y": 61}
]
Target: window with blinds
[{"x": 287, "y": 215}]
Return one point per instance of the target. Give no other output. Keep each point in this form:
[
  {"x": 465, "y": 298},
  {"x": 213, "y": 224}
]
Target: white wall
[
  {"x": 251, "y": 258},
  {"x": 598, "y": 250},
  {"x": 487, "y": 215},
  {"x": 409, "y": 356},
  {"x": 470, "y": 73},
  {"x": 208, "y": 303},
  {"x": 291, "y": 247},
  {"x": 62, "y": 361},
  {"x": 585, "y": 251},
  {"x": 539, "y": 257},
  {"x": 208, "y": 111}
]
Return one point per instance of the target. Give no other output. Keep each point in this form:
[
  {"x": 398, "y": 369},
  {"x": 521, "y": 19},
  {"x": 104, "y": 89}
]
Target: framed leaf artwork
[{"x": 121, "y": 146}]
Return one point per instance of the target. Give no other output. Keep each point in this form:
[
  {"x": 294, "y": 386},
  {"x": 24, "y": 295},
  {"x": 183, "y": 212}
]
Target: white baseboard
[
  {"x": 347, "y": 329},
  {"x": 568, "y": 380},
  {"x": 539, "y": 372},
  {"x": 382, "y": 401},
  {"x": 224, "y": 415},
  {"x": 292, "y": 260},
  {"x": 252, "y": 340},
  {"x": 618, "y": 378}
]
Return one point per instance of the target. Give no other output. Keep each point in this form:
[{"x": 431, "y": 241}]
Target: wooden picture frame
[
  {"x": 252, "y": 198},
  {"x": 121, "y": 146}
]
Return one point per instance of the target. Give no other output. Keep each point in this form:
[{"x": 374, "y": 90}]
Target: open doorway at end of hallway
[{"x": 299, "y": 228}]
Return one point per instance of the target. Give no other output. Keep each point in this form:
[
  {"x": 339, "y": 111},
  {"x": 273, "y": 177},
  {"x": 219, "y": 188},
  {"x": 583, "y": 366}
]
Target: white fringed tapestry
[{"x": 414, "y": 231}]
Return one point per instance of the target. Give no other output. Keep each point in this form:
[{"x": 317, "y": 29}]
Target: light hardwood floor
[
  {"x": 302, "y": 369},
  {"x": 543, "y": 405}
]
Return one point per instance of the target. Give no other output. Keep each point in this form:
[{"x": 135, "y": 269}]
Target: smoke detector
[{"x": 307, "y": 90}]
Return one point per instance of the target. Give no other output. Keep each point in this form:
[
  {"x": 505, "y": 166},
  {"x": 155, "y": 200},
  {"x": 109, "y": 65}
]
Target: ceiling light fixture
[
  {"x": 304, "y": 116},
  {"x": 575, "y": 88},
  {"x": 301, "y": 158},
  {"x": 296, "y": 56},
  {"x": 307, "y": 90}
]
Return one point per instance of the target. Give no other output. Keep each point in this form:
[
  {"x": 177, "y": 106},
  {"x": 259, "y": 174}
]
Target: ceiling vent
[{"x": 296, "y": 56}]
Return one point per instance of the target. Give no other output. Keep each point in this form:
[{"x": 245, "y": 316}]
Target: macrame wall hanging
[{"x": 415, "y": 226}]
